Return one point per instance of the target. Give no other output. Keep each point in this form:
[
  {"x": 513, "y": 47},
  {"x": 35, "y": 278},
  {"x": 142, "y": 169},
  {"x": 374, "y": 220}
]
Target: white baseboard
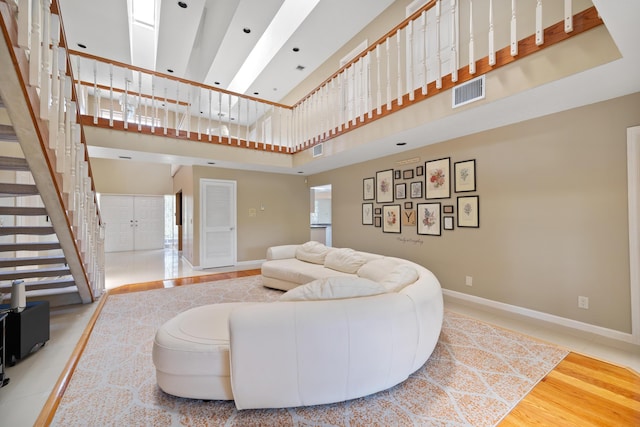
[
  {"x": 544, "y": 317},
  {"x": 240, "y": 264}
]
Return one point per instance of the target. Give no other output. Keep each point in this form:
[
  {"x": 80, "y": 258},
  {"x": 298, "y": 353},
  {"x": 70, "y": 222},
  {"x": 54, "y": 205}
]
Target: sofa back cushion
[
  {"x": 314, "y": 252},
  {"x": 334, "y": 288},
  {"x": 377, "y": 269},
  {"x": 345, "y": 260},
  {"x": 401, "y": 276}
]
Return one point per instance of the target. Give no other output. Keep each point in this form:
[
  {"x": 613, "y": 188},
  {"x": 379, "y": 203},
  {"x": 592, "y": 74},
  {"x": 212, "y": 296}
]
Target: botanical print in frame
[
  {"x": 397, "y": 174},
  {"x": 407, "y": 174},
  {"x": 377, "y": 211},
  {"x": 384, "y": 186},
  {"x": 378, "y": 221},
  {"x": 448, "y": 209},
  {"x": 401, "y": 191},
  {"x": 438, "y": 179},
  {"x": 416, "y": 190},
  {"x": 465, "y": 176},
  {"x": 447, "y": 222},
  {"x": 408, "y": 217},
  {"x": 469, "y": 211},
  {"x": 391, "y": 219},
  {"x": 368, "y": 189},
  {"x": 419, "y": 170},
  {"x": 367, "y": 214},
  {"x": 428, "y": 218}
]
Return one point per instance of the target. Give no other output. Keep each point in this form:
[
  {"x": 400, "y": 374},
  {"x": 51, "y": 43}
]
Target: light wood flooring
[{"x": 580, "y": 391}]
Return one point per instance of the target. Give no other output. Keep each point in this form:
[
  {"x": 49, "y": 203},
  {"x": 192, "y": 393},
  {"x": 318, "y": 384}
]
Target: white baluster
[
  {"x": 353, "y": 99},
  {"x": 125, "y": 104},
  {"x": 199, "y": 113},
  {"x": 238, "y": 119},
  {"x": 399, "y": 62},
  {"x": 35, "y": 57},
  {"x": 568, "y": 16},
  {"x": 248, "y": 120},
  {"x": 187, "y": 114},
  {"x": 55, "y": 82},
  {"x": 24, "y": 24},
  {"x": 368, "y": 82},
  {"x": 210, "y": 115},
  {"x": 110, "y": 95},
  {"x": 229, "y": 119},
  {"x": 96, "y": 96},
  {"x": 378, "y": 80},
  {"x": 154, "y": 109},
  {"x": 177, "y": 114},
  {"x": 438, "y": 58},
  {"x": 166, "y": 111},
  {"x": 409, "y": 61},
  {"x": 139, "y": 101},
  {"x": 492, "y": 50},
  {"x": 539, "y": 28},
  {"x": 425, "y": 54},
  {"x": 362, "y": 88},
  {"x": 45, "y": 77},
  {"x": 514, "y": 35},
  {"x": 454, "y": 42},
  {"x": 220, "y": 116},
  {"x": 387, "y": 44}
]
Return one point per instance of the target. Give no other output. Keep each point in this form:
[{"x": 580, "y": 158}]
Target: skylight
[
  {"x": 144, "y": 12},
  {"x": 289, "y": 17}
]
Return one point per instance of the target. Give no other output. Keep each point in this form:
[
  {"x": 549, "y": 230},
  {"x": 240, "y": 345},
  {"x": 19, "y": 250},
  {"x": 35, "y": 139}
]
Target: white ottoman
[{"x": 191, "y": 353}]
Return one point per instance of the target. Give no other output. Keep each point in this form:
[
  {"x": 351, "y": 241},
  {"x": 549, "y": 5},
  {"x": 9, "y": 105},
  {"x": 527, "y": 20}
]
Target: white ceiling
[{"x": 205, "y": 42}]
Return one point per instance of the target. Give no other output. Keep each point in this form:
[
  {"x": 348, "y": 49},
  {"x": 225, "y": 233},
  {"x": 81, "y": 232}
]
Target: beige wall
[
  {"x": 284, "y": 220},
  {"x": 553, "y": 214},
  {"x": 130, "y": 177}
]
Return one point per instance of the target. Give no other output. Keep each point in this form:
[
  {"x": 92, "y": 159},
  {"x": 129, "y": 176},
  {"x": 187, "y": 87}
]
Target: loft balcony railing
[{"x": 439, "y": 45}]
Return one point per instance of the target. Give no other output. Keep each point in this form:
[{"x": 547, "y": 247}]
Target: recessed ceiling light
[
  {"x": 296, "y": 49},
  {"x": 300, "y": 67},
  {"x": 401, "y": 143},
  {"x": 246, "y": 30},
  {"x": 256, "y": 93},
  {"x": 125, "y": 157},
  {"x": 211, "y": 163},
  {"x": 182, "y": 4},
  {"x": 82, "y": 45},
  {"x": 216, "y": 83},
  {"x": 300, "y": 172},
  {"x": 169, "y": 70}
]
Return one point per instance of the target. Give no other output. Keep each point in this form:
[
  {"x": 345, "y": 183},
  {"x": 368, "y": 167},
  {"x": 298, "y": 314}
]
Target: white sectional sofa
[{"x": 352, "y": 324}]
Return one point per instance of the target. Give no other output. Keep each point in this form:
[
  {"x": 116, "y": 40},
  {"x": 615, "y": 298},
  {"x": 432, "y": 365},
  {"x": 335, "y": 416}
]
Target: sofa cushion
[
  {"x": 314, "y": 252},
  {"x": 399, "y": 277},
  {"x": 334, "y": 288},
  {"x": 345, "y": 260},
  {"x": 295, "y": 271},
  {"x": 377, "y": 269}
]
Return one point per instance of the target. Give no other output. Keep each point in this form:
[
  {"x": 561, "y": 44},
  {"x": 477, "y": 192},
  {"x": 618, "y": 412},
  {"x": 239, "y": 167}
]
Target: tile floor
[{"x": 33, "y": 378}]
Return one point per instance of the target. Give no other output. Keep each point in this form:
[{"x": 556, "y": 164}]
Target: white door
[
  {"x": 132, "y": 223},
  {"x": 117, "y": 214},
  {"x": 148, "y": 223},
  {"x": 217, "y": 223}
]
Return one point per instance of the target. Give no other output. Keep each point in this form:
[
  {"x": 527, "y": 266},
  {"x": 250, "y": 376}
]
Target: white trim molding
[
  {"x": 633, "y": 179},
  {"x": 538, "y": 315}
]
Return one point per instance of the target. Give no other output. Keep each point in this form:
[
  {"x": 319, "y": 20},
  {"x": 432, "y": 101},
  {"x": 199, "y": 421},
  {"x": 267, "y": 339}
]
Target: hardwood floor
[{"x": 580, "y": 391}]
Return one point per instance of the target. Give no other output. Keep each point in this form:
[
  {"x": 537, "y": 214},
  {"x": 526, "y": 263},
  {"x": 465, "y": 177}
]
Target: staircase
[{"x": 29, "y": 248}]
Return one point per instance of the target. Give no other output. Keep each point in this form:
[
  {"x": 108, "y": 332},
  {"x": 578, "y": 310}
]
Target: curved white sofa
[{"x": 334, "y": 339}]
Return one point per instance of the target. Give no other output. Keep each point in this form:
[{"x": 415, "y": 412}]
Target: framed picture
[
  {"x": 401, "y": 191},
  {"x": 447, "y": 222},
  {"x": 378, "y": 221},
  {"x": 377, "y": 211},
  {"x": 419, "y": 170},
  {"x": 407, "y": 174},
  {"x": 367, "y": 214},
  {"x": 391, "y": 219},
  {"x": 409, "y": 217},
  {"x": 408, "y": 205},
  {"x": 384, "y": 186},
  {"x": 468, "y": 211},
  {"x": 438, "y": 179},
  {"x": 397, "y": 174},
  {"x": 465, "y": 176},
  {"x": 448, "y": 209},
  {"x": 416, "y": 190},
  {"x": 428, "y": 218},
  {"x": 368, "y": 189}
]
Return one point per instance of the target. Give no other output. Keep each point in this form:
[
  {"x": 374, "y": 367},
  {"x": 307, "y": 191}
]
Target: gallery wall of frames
[{"x": 432, "y": 197}]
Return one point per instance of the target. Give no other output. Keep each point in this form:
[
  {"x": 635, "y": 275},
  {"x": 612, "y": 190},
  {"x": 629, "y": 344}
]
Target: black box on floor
[{"x": 26, "y": 331}]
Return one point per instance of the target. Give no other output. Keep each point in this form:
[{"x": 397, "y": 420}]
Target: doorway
[
  {"x": 132, "y": 223},
  {"x": 320, "y": 220},
  {"x": 218, "y": 236}
]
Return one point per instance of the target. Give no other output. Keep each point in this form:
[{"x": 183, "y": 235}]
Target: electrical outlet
[
  {"x": 468, "y": 280},
  {"x": 583, "y": 302}
]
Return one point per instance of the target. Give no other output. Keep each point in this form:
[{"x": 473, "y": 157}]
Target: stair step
[
  {"x": 22, "y": 211},
  {"x": 9, "y": 189},
  {"x": 39, "y": 285},
  {"x": 57, "y": 297},
  {"x": 40, "y": 272},
  {"x": 35, "y": 231},
  {"x": 30, "y": 246},
  {"x": 7, "y": 133},
  {"x": 40, "y": 260},
  {"x": 13, "y": 164}
]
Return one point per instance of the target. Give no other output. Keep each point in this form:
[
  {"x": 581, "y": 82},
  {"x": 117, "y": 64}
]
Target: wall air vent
[
  {"x": 468, "y": 92},
  {"x": 318, "y": 150}
]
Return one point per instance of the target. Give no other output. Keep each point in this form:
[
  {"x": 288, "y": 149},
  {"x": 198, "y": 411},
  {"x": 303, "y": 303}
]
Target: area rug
[{"x": 475, "y": 376}]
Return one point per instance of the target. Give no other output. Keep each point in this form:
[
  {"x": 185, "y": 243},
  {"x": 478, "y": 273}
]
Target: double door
[{"x": 133, "y": 223}]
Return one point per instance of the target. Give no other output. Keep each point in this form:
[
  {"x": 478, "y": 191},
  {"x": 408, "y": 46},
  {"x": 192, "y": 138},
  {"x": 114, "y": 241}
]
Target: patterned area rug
[{"x": 475, "y": 376}]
